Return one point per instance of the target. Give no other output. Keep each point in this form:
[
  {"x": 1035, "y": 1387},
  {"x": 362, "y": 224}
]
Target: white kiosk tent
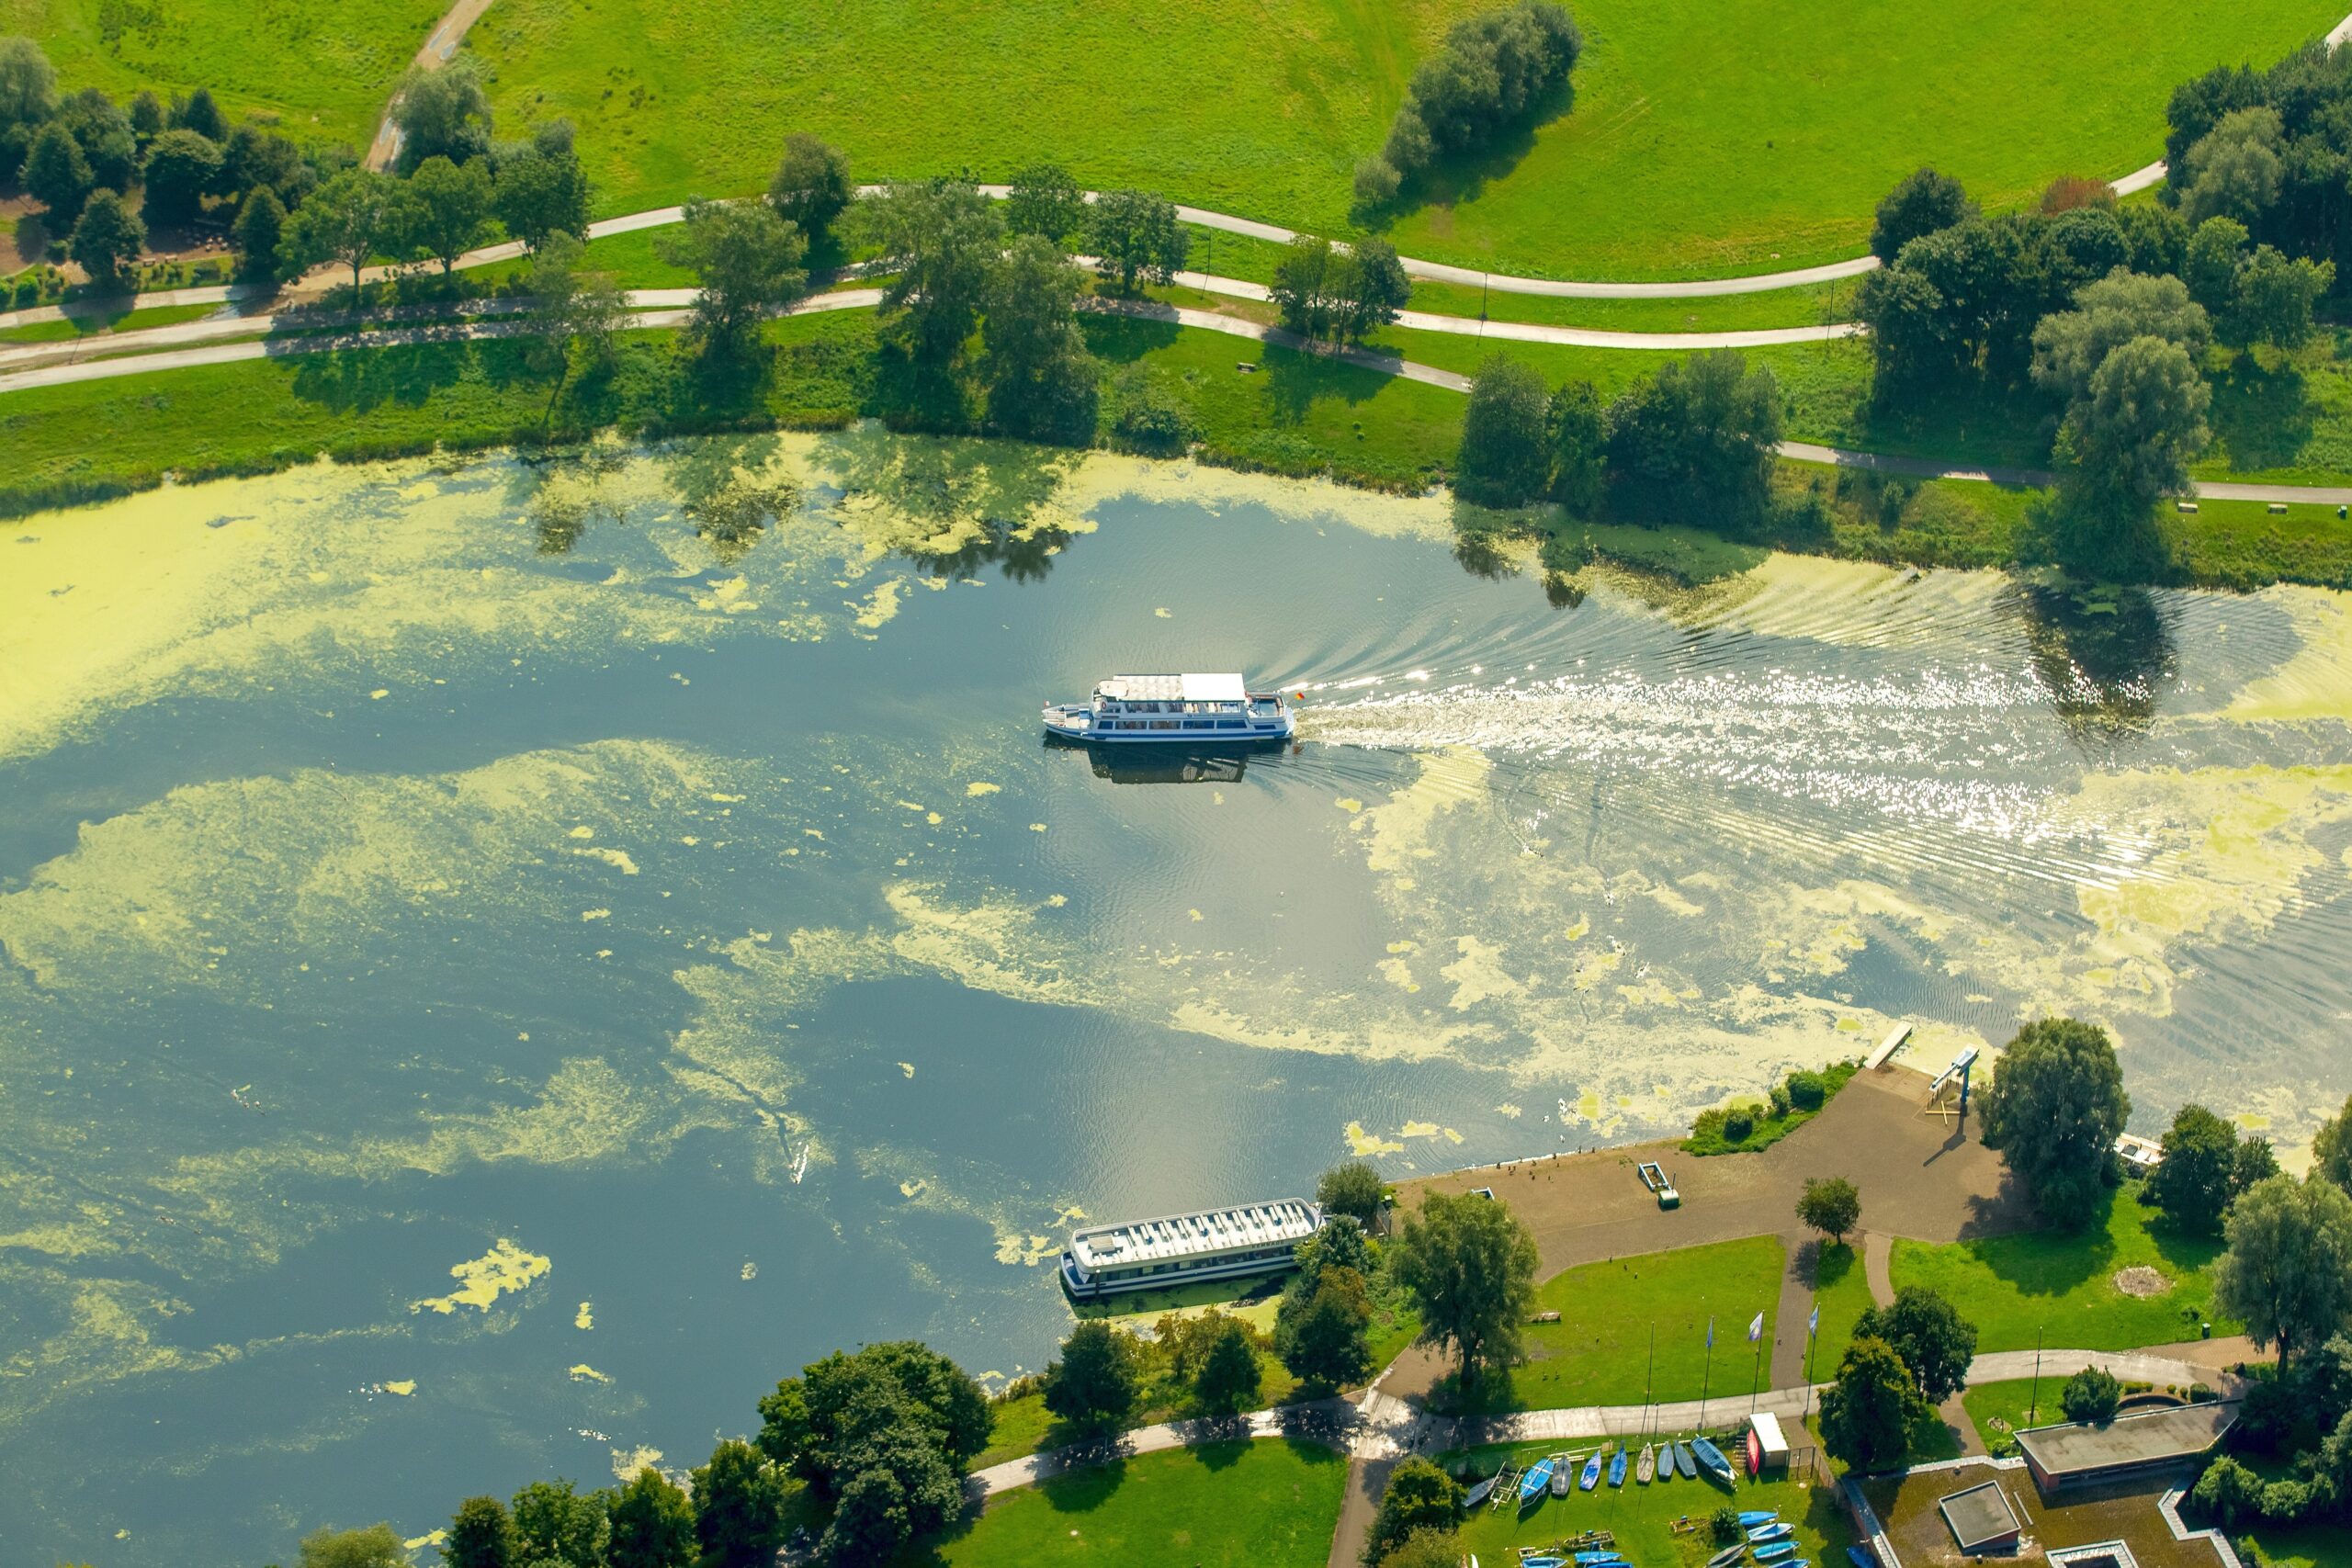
[{"x": 1767, "y": 1447}]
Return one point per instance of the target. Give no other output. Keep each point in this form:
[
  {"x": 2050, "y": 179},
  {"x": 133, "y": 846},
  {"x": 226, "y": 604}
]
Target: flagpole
[
  {"x": 1706, "y": 1377},
  {"x": 1756, "y": 1375},
  {"x": 1649, "y": 1381},
  {"x": 1812, "y": 1337}
]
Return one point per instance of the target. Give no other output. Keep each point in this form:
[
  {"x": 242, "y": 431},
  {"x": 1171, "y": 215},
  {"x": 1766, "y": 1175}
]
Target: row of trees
[
  {"x": 1495, "y": 71},
  {"x": 1702, "y": 430}
]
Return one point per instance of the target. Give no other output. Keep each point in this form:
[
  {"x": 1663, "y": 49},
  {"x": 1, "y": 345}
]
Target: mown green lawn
[
  {"x": 1643, "y": 1518},
  {"x": 1599, "y": 1351},
  {"x": 1239, "y": 1505},
  {"x": 326, "y": 70},
  {"x": 2001, "y": 1410},
  {"x": 2060, "y": 1285},
  {"x": 1725, "y": 137}
]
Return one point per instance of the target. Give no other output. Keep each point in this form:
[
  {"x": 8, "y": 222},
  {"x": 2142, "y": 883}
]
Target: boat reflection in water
[{"x": 1195, "y": 763}]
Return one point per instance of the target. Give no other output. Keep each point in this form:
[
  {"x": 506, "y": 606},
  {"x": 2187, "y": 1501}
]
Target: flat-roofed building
[{"x": 2083, "y": 1452}]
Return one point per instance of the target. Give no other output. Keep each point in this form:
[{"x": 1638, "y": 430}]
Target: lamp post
[{"x": 2033, "y": 1400}]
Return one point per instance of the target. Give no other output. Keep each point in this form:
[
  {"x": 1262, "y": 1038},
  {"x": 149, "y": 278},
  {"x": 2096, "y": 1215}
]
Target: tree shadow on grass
[
  {"x": 1297, "y": 378},
  {"x": 1823, "y": 1266},
  {"x": 2052, "y": 1262},
  {"x": 2263, "y": 416},
  {"x": 1123, "y": 340},
  {"x": 1464, "y": 176},
  {"x": 359, "y": 380}
]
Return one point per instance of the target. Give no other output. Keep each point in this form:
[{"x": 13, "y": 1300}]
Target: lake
[{"x": 506, "y": 960}]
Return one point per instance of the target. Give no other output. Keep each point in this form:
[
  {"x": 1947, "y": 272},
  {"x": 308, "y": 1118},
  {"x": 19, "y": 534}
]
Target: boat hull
[{"x": 1075, "y": 721}]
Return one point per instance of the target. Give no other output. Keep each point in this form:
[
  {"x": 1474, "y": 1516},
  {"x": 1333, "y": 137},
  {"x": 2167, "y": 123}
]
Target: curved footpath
[
  {"x": 671, "y": 307},
  {"x": 1381, "y": 1426}
]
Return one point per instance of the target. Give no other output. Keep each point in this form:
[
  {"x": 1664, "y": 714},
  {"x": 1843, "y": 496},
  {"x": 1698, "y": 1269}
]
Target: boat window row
[
  {"x": 1114, "y": 706},
  {"x": 1175, "y": 724},
  {"x": 1141, "y": 1271}
]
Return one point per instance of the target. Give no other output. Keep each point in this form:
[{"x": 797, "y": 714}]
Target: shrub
[
  {"x": 1495, "y": 70},
  {"x": 2091, "y": 1395},
  {"x": 1376, "y": 182},
  {"x": 1807, "y": 1092},
  {"x": 1723, "y": 1523},
  {"x": 1780, "y": 1100},
  {"x": 2228, "y": 1491},
  {"x": 1738, "y": 1123}
]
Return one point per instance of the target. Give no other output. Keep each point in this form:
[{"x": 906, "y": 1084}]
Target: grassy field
[
  {"x": 2001, "y": 1409},
  {"x": 2298, "y": 1546},
  {"x": 1599, "y": 1352},
  {"x": 324, "y": 69},
  {"x": 1704, "y": 138},
  {"x": 2062, "y": 1284},
  {"x": 1643, "y": 1518},
  {"x": 1265, "y": 1505},
  {"x": 74, "y": 327}
]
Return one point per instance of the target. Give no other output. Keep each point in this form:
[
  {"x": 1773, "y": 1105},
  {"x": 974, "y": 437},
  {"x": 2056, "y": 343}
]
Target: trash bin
[{"x": 2204, "y": 1331}]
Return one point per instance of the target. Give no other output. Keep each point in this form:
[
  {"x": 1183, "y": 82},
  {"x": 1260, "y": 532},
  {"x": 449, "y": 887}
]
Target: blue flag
[
  {"x": 1755, "y": 1329},
  {"x": 1813, "y": 1323},
  {"x": 1711, "y": 1334}
]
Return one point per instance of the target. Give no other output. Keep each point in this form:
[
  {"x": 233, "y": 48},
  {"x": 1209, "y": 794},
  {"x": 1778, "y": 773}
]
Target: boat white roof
[
  {"x": 1187, "y": 688},
  {"x": 1176, "y": 1236}
]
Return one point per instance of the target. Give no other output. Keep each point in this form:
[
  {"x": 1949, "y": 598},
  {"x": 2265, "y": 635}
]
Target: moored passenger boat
[
  {"x": 1178, "y": 1249},
  {"x": 1174, "y": 710}
]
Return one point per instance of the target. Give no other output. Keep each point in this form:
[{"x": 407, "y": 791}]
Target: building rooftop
[
  {"x": 1285, "y": 1221},
  {"x": 1186, "y": 688},
  {"x": 1980, "y": 1515},
  {"x": 2151, "y": 1437},
  {"x": 2098, "y": 1514}
]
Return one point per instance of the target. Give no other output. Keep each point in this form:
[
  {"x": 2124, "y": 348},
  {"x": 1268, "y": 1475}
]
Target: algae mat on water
[
  {"x": 485, "y": 942},
  {"x": 1702, "y": 139}
]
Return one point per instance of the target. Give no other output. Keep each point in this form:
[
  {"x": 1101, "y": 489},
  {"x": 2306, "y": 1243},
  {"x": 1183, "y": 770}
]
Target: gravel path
[{"x": 439, "y": 46}]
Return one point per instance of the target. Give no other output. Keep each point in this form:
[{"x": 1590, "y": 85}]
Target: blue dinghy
[
  {"x": 1590, "y": 1559},
  {"x": 1775, "y": 1552},
  {"x": 1617, "y": 1468},
  {"x": 1750, "y": 1517},
  {"x": 1543, "y": 1563},
  {"x": 1532, "y": 1484},
  {"x": 1764, "y": 1535},
  {"x": 1591, "y": 1476},
  {"x": 1859, "y": 1556},
  {"x": 1710, "y": 1459},
  {"x": 1684, "y": 1462}
]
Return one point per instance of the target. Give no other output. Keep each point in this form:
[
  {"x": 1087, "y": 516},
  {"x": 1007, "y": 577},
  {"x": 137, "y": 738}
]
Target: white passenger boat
[
  {"x": 1174, "y": 710},
  {"x": 1178, "y": 1249}
]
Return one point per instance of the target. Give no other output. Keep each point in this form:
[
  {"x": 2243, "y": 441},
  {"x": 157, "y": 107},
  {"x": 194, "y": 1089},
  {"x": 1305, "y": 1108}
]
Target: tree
[
  {"x": 2215, "y": 250},
  {"x": 1229, "y": 1375},
  {"x": 1831, "y": 1205},
  {"x": 103, "y": 133},
  {"x": 1575, "y": 430},
  {"x": 556, "y": 1527},
  {"x": 1502, "y": 460},
  {"x": 2154, "y": 236},
  {"x": 2070, "y": 347},
  {"x": 739, "y": 1500},
  {"x": 1866, "y": 1416},
  {"x": 1377, "y": 289},
  {"x": 252, "y": 157},
  {"x": 181, "y": 166},
  {"x": 1045, "y": 201},
  {"x": 2332, "y": 1149},
  {"x": 1420, "y": 1497},
  {"x": 2132, "y": 439},
  {"x": 1704, "y": 431},
  {"x": 480, "y": 1536},
  {"x": 2234, "y": 170},
  {"x": 811, "y": 187},
  {"x": 376, "y": 1546},
  {"x": 256, "y": 234},
  {"x": 945, "y": 238},
  {"x": 2055, "y": 1109},
  {"x": 541, "y": 193},
  {"x": 1352, "y": 1188},
  {"x": 346, "y": 219},
  {"x": 146, "y": 116},
  {"x": 748, "y": 260},
  {"x": 1933, "y": 1341},
  {"x": 2195, "y": 1181},
  {"x": 107, "y": 239},
  {"x": 442, "y": 113},
  {"x": 199, "y": 113},
  {"x": 814, "y": 1422},
  {"x": 57, "y": 175},
  {"x": 1134, "y": 234},
  {"x": 27, "y": 83},
  {"x": 452, "y": 208},
  {"x": 1496, "y": 69},
  {"x": 2228, "y": 1491},
  {"x": 1096, "y": 1381},
  {"x": 1923, "y": 203},
  {"x": 2091, "y": 1395},
  {"x": 1321, "y": 1335},
  {"x": 2275, "y": 296},
  {"x": 653, "y": 1525},
  {"x": 2287, "y": 1274},
  {"x": 1470, "y": 1266},
  {"x": 1341, "y": 1244},
  {"x": 1302, "y": 288},
  {"x": 2255, "y": 1161},
  {"x": 1376, "y": 183},
  {"x": 574, "y": 313},
  {"x": 1427, "y": 1548},
  {"x": 1041, "y": 379}
]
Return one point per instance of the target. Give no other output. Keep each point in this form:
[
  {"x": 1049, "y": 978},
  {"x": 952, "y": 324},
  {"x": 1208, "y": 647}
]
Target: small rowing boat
[
  {"x": 1727, "y": 1556},
  {"x": 1617, "y": 1468},
  {"x": 1591, "y": 1476},
  {"x": 1532, "y": 1484},
  {"x": 1764, "y": 1535},
  {"x": 1684, "y": 1462},
  {"x": 1480, "y": 1492},
  {"x": 1599, "y": 1559},
  {"x": 1774, "y": 1553},
  {"x": 1859, "y": 1556},
  {"x": 1564, "y": 1475},
  {"x": 1647, "y": 1471},
  {"x": 1710, "y": 1459},
  {"x": 1750, "y": 1517}
]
